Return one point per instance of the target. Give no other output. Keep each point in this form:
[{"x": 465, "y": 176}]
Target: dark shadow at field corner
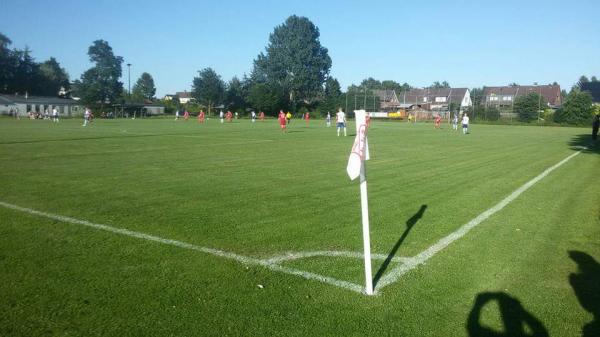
[
  {"x": 409, "y": 225},
  {"x": 517, "y": 321},
  {"x": 578, "y": 142},
  {"x": 586, "y": 284}
]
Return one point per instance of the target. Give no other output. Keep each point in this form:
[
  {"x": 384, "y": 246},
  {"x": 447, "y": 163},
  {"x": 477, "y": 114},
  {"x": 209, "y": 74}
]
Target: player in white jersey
[
  {"x": 55, "y": 115},
  {"x": 328, "y": 119},
  {"x": 341, "y": 122},
  {"x": 465, "y": 123},
  {"x": 86, "y": 116}
]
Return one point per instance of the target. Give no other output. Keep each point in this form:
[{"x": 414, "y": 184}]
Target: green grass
[{"x": 247, "y": 188}]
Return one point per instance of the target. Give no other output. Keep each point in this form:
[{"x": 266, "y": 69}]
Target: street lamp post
[{"x": 129, "y": 78}]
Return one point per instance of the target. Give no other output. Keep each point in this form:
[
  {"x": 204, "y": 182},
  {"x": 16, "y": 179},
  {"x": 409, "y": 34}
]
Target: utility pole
[{"x": 129, "y": 78}]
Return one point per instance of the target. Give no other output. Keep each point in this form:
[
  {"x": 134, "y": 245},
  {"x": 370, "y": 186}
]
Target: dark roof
[
  {"x": 416, "y": 95},
  {"x": 593, "y": 88},
  {"x": 184, "y": 94},
  {"x": 550, "y": 92},
  {"x": 11, "y": 99}
]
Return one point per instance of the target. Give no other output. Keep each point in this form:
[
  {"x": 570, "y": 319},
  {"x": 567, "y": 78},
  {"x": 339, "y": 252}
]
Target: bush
[{"x": 577, "y": 110}]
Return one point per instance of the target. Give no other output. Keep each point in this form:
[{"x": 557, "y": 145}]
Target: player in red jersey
[
  {"x": 229, "y": 116},
  {"x": 438, "y": 121},
  {"x": 282, "y": 121},
  {"x": 186, "y": 115},
  {"x": 261, "y": 116},
  {"x": 307, "y": 118},
  {"x": 201, "y": 116}
]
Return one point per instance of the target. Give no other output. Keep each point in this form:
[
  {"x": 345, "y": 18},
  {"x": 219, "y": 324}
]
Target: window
[
  {"x": 440, "y": 99},
  {"x": 424, "y": 99},
  {"x": 507, "y": 98},
  {"x": 493, "y": 98},
  {"x": 28, "y": 107}
]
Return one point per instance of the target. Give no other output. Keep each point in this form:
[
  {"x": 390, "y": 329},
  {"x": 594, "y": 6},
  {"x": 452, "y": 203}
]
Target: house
[
  {"x": 388, "y": 100},
  {"x": 184, "y": 97},
  {"x": 593, "y": 88},
  {"x": 437, "y": 99},
  {"x": 505, "y": 96},
  {"x": 22, "y": 105}
]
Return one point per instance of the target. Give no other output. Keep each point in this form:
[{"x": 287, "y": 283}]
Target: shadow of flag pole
[{"x": 357, "y": 167}]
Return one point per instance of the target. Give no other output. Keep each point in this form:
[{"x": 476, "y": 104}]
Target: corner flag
[{"x": 356, "y": 167}]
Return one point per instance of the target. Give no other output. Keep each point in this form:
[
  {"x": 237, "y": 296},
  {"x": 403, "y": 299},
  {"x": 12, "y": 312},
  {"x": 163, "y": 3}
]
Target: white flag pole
[
  {"x": 356, "y": 167},
  {"x": 364, "y": 205}
]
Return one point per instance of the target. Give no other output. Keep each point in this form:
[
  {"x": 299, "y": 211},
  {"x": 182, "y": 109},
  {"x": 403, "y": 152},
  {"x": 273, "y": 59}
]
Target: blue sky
[{"x": 467, "y": 43}]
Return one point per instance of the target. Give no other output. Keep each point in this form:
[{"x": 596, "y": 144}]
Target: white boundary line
[
  {"x": 428, "y": 253},
  {"x": 273, "y": 263},
  {"x": 216, "y": 252}
]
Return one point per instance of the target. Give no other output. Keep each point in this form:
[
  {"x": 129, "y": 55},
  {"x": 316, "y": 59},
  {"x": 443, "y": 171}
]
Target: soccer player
[
  {"x": 253, "y": 116},
  {"x": 307, "y": 118},
  {"x": 177, "y": 115},
  {"x": 261, "y": 115},
  {"x": 438, "y": 121},
  {"x": 201, "y": 116},
  {"x": 186, "y": 115},
  {"x": 221, "y": 116},
  {"x": 229, "y": 116},
  {"x": 455, "y": 122},
  {"x": 288, "y": 117},
  {"x": 282, "y": 121},
  {"x": 328, "y": 119},
  {"x": 465, "y": 123},
  {"x": 341, "y": 122},
  {"x": 86, "y": 116},
  {"x": 55, "y": 115}
]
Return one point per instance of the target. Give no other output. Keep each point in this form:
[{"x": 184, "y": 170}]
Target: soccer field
[{"x": 172, "y": 228}]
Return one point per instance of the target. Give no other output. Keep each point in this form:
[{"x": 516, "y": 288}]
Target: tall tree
[
  {"x": 265, "y": 97},
  {"x": 52, "y": 78},
  {"x": 100, "y": 84},
  {"x": 294, "y": 60},
  {"x": 438, "y": 85},
  {"x": 235, "y": 93},
  {"x": 594, "y": 79},
  {"x": 582, "y": 79},
  {"x": 144, "y": 87},
  {"x": 208, "y": 88},
  {"x": 7, "y": 63},
  {"x": 331, "y": 99},
  {"x": 26, "y": 73},
  {"x": 528, "y": 106},
  {"x": 370, "y": 84}
]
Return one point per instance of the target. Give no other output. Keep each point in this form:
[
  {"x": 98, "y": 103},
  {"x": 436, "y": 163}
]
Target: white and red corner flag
[
  {"x": 360, "y": 149},
  {"x": 356, "y": 167}
]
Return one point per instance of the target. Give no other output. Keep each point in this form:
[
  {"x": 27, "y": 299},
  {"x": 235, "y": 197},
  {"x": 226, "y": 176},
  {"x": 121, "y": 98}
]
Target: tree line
[
  {"x": 21, "y": 74},
  {"x": 97, "y": 87}
]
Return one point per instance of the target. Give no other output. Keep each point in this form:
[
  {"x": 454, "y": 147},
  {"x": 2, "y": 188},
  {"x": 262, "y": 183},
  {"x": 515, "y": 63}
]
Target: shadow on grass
[
  {"x": 578, "y": 142},
  {"x": 124, "y": 135},
  {"x": 409, "y": 225},
  {"x": 516, "y": 320},
  {"x": 586, "y": 284}
]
